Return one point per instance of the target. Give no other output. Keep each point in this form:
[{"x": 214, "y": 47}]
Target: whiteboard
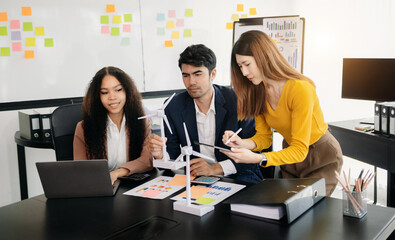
[{"x": 84, "y": 41}]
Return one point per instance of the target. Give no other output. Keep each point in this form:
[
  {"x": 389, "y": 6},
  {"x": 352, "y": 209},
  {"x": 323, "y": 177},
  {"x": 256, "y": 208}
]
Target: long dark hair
[{"x": 95, "y": 116}]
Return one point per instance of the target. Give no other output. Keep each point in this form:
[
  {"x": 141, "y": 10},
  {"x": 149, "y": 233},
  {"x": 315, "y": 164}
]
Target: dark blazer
[{"x": 182, "y": 109}]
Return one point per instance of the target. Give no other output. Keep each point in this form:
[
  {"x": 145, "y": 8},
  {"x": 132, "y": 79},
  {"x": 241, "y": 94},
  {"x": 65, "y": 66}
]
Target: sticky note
[
  {"x": 26, "y": 11},
  {"x": 105, "y": 29},
  {"x": 252, "y": 11},
  {"x": 169, "y": 43},
  {"x": 171, "y": 13},
  {"x": 151, "y": 193},
  {"x": 15, "y": 24},
  {"x": 3, "y": 31},
  {"x": 240, "y": 7},
  {"x": 188, "y": 13},
  {"x": 204, "y": 200},
  {"x": 39, "y": 31},
  {"x": 16, "y": 46},
  {"x": 3, "y": 17},
  {"x": 170, "y": 24},
  {"x": 104, "y": 20},
  {"x": 229, "y": 25},
  {"x": 5, "y": 52},
  {"x": 179, "y": 180},
  {"x": 127, "y": 28},
  {"x": 160, "y": 17},
  {"x": 196, "y": 192},
  {"x": 187, "y": 33},
  {"x": 180, "y": 22},
  {"x": 116, "y": 19},
  {"x": 125, "y": 42},
  {"x": 48, "y": 42},
  {"x": 30, "y": 42},
  {"x": 115, "y": 31},
  {"x": 243, "y": 16},
  {"x": 160, "y": 31},
  {"x": 235, "y": 17},
  {"x": 16, "y": 35},
  {"x": 27, "y": 26},
  {"x": 175, "y": 35},
  {"x": 110, "y": 8},
  {"x": 127, "y": 18},
  {"x": 29, "y": 54}
]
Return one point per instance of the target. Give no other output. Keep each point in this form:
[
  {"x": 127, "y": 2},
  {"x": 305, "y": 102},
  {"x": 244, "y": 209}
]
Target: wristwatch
[{"x": 263, "y": 161}]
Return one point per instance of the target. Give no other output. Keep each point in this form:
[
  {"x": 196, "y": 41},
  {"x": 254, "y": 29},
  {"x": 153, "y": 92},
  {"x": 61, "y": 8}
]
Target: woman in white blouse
[{"x": 110, "y": 128}]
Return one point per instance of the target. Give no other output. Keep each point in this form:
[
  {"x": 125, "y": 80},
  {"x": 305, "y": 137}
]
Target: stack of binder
[
  {"x": 278, "y": 200},
  {"x": 35, "y": 125}
]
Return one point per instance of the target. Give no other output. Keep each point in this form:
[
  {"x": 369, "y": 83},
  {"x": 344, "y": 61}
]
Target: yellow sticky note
[
  {"x": 187, "y": 33},
  {"x": 175, "y": 35},
  {"x": 169, "y": 43},
  {"x": 170, "y": 24},
  {"x": 110, "y": 8},
  {"x": 39, "y": 31},
  {"x": 26, "y": 11},
  {"x": 188, "y": 12},
  {"x": 252, "y": 11},
  {"x": 235, "y": 17},
  {"x": 3, "y": 17},
  {"x": 29, "y": 54},
  {"x": 229, "y": 25},
  {"x": 30, "y": 42},
  {"x": 204, "y": 200},
  {"x": 116, "y": 19},
  {"x": 240, "y": 7},
  {"x": 243, "y": 16}
]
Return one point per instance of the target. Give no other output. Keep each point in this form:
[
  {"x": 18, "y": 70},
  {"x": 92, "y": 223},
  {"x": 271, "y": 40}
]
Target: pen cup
[{"x": 354, "y": 204}]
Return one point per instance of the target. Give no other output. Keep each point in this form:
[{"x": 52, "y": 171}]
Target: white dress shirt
[
  {"x": 206, "y": 133},
  {"x": 116, "y": 144}
]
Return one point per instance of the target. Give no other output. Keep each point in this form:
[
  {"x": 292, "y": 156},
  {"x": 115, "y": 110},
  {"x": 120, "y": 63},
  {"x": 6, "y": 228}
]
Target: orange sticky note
[
  {"x": 179, "y": 180},
  {"x": 175, "y": 35},
  {"x": 110, "y": 8},
  {"x": 240, "y": 7},
  {"x": 229, "y": 25},
  {"x": 196, "y": 192},
  {"x": 3, "y": 17},
  {"x": 252, "y": 11},
  {"x": 29, "y": 54},
  {"x": 169, "y": 43},
  {"x": 26, "y": 11}
]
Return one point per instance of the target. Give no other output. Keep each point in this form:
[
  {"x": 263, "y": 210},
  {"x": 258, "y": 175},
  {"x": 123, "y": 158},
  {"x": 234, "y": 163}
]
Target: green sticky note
[
  {"x": 128, "y": 17},
  {"x": 27, "y": 26},
  {"x": 48, "y": 42},
  {"x": 30, "y": 42},
  {"x": 160, "y": 31},
  {"x": 104, "y": 20},
  {"x": 5, "y": 52},
  {"x": 204, "y": 200},
  {"x": 187, "y": 33},
  {"x": 125, "y": 42},
  {"x": 188, "y": 13},
  {"x": 114, "y": 31},
  {"x": 3, "y": 31}
]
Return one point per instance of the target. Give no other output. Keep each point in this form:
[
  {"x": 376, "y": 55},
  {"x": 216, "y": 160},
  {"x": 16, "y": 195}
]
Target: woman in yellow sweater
[{"x": 279, "y": 97}]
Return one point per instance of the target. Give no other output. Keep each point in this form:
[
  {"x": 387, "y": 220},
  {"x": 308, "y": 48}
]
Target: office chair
[{"x": 64, "y": 119}]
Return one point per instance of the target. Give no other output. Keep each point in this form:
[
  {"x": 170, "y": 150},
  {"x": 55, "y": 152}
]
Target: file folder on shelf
[
  {"x": 45, "y": 125},
  {"x": 29, "y": 125},
  {"x": 269, "y": 198}
]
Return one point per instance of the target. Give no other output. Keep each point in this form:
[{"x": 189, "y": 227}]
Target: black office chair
[{"x": 64, "y": 120}]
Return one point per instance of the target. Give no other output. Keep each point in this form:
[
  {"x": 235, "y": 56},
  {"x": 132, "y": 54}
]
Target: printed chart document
[
  {"x": 212, "y": 194},
  {"x": 157, "y": 188}
]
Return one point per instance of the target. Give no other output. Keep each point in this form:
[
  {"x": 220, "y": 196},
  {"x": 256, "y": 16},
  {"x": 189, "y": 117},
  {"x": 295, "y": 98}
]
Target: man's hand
[
  {"x": 200, "y": 167},
  {"x": 155, "y": 146}
]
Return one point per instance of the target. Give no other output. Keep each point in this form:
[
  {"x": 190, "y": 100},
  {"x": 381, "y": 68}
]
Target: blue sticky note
[{"x": 160, "y": 17}]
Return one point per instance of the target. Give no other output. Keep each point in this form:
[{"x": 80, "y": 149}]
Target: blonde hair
[{"x": 251, "y": 99}]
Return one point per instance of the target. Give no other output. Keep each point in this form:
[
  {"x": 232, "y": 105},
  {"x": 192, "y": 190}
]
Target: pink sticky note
[
  {"x": 105, "y": 29},
  {"x": 172, "y": 13},
  {"x": 15, "y": 24},
  {"x": 180, "y": 23},
  {"x": 151, "y": 193},
  {"x": 17, "y": 46},
  {"x": 127, "y": 28}
]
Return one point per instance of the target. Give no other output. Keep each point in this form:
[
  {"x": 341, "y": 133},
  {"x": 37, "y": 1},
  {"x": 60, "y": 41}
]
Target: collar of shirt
[{"x": 116, "y": 144}]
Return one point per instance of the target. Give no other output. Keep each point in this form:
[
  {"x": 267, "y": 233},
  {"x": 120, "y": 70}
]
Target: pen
[{"x": 234, "y": 134}]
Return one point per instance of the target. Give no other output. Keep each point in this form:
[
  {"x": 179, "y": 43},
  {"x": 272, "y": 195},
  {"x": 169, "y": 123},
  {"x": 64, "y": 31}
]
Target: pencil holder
[{"x": 354, "y": 204}]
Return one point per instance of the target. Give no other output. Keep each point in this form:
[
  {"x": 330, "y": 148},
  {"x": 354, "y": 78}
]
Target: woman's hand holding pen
[
  {"x": 234, "y": 140},
  {"x": 242, "y": 155}
]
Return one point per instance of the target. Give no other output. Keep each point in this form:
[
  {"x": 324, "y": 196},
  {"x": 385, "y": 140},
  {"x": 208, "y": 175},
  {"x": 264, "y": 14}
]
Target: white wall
[{"x": 335, "y": 29}]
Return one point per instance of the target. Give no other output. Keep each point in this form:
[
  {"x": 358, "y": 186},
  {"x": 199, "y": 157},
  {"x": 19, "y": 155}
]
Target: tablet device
[
  {"x": 206, "y": 180},
  {"x": 135, "y": 177},
  {"x": 208, "y": 145}
]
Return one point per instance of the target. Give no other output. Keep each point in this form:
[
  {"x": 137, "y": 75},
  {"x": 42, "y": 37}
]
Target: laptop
[{"x": 72, "y": 179}]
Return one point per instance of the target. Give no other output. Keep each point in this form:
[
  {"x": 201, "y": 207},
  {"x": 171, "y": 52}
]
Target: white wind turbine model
[
  {"x": 187, "y": 206},
  {"x": 164, "y": 162}
]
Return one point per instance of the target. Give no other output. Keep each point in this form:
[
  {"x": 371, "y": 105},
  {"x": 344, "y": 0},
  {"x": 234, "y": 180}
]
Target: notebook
[{"x": 71, "y": 179}]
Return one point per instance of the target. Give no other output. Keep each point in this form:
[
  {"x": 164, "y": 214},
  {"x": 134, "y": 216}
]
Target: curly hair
[{"x": 95, "y": 115}]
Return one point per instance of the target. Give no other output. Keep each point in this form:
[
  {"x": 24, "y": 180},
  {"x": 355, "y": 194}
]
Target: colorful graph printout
[
  {"x": 211, "y": 195},
  {"x": 157, "y": 188}
]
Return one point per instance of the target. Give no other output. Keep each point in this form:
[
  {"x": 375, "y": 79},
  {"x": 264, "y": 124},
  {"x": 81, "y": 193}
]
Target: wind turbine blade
[
  {"x": 148, "y": 116},
  {"x": 202, "y": 156},
  {"x": 167, "y": 123},
  {"x": 168, "y": 101},
  {"x": 179, "y": 157},
  {"x": 186, "y": 135}
]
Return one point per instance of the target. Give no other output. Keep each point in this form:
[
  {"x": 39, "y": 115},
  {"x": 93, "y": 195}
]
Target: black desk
[
  {"x": 21, "y": 143},
  {"x": 101, "y": 218},
  {"x": 368, "y": 147}
]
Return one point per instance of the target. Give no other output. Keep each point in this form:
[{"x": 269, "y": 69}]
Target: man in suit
[{"x": 207, "y": 110}]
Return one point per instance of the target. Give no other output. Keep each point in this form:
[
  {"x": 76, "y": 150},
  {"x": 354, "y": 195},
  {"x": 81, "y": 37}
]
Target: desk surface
[{"x": 135, "y": 218}]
